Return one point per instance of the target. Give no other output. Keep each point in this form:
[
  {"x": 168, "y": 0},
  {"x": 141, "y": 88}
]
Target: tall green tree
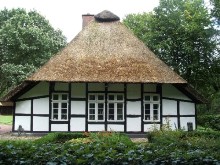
[
  {"x": 216, "y": 10},
  {"x": 27, "y": 41},
  {"x": 182, "y": 34}
]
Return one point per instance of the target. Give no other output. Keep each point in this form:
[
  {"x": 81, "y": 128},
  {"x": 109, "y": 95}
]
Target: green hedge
[
  {"x": 209, "y": 121},
  {"x": 113, "y": 148}
]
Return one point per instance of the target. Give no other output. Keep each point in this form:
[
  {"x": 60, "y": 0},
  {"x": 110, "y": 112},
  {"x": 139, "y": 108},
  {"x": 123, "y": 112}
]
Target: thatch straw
[{"x": 106, "y": 52}]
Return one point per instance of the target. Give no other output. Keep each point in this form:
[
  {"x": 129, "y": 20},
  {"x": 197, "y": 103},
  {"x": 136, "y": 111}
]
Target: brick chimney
[{"x": 86, "y": 18}]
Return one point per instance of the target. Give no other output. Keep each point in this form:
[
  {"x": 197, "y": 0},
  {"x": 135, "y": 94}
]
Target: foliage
[
  {"x": 216, "y": 10},
  {"x": 165, "y": 147},
  {"x": 4, "y": 119},
  {"x": 183, "y": 35},
  {"x": 27, "y": 41},
  {"x": 209, "y": 121}
]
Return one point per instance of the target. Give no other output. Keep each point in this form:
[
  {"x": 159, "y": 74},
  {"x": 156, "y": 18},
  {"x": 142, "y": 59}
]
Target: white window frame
[
  {"x": 152, "y": 102},
  {"x": 59, "y": 101},
  {"x": 96, "y": 102},
  {"x": 115, "y": 102}
]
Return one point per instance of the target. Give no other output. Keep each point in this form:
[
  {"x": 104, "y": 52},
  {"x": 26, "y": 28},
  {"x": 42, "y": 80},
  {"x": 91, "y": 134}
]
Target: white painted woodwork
[
  {"x": 134, "y": 124},
  {"x": 96, "y": 87},
  {"x": 134, "y": 107},
  {"x": 41, "y": 106},
  {"x": 150, "y": 87},
  {"x": 61, "y": 86},
  {"x": 96, "y": 127},
  {"x": 40, "y": 123},
  {"x": 171, "y": 92},
  {"x": 151, "y": 127},
  {"x": 24, "y": 121},
  {"x": 78, "y": 107},
  {"x": 184, "y": 120},
  {"x": 133, "y": 91},
  {"x": 169, "y": 107},
  {"x": 187, "y": 108},
  {"x": 77, "y": 124},
  {"x": 170, "y": 122},
  {"x": 23, "y": 107},
  {"x": 116, "y": 87},
  {"x": 78, "y": 90},
  {"x": 115, "y": 127},
  {"x": 40, "y": 89},
  {"x": 59, "y": 127}
]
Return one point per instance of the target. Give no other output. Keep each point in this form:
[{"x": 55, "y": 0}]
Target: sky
[{"x": 66, "y": 15}]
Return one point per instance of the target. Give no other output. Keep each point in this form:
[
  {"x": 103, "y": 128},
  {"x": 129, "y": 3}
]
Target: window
[
  {"x": 115, "y": 107},
  {"x": 151, "y": 107},
  {"x": 96, "y": 106},
  {"x": 59, "y": 106}
]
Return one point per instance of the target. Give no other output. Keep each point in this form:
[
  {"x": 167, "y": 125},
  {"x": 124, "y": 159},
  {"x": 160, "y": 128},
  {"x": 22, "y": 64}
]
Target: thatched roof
[{"x": 106, "y": 51}]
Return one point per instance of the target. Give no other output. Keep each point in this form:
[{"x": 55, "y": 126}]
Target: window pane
[
  {"x": 100, "y": 111},
  {"x": 147, "y": 112},
  {"x": 55, "y": 105},
  {"x": 111, "y": 97},
  {"x": 120, "y": 105},
  {"x": 147, "y": 117},
  {"x": 101, "y": 105},
  {"x": 100, "y": 117},
  {"x": 64, "y": 97},
  {"x": 155, "y": 112},
  {"x": 111, "y": 117},
  {"x": 147, "y": 98},
  {"x": 120, "y": 112},
  {"x": 155, "y": 98},
  {"x": 147, "y": 106},
  {"x": 92, "y": 105},
  {"x": 91, "y": 97},
  {"x": 64, "y": 111},
  {"x": 119, "y": 97},
  {"x": 91, "y": 111},
  {"x": 64, "y": 105},
  {"x": 91, "y": 117},
  {"x": 64, "y": 116},
  {"x": 55, "y": 111},
  {"x": 156, "y": 106},
  {"x": 111, "y": 111},
  {"x": 100, "y": 97},
  {"x": 119, "y": 117},
  {"x": 55, "y": 117},
  {"x": 111, "y": 105},
  {"x": 55, "y": 97}
]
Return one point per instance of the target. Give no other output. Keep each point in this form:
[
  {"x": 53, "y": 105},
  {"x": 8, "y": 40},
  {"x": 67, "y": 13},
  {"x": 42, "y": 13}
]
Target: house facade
[{"x": 104, "y": 80}]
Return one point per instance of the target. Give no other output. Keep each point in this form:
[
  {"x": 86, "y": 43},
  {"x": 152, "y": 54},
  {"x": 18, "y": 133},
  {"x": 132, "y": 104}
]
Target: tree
[
  {"x": 27, "y": 41},
  {"x": 216, "y": 10},
  {"x": 181, "y": 33}
]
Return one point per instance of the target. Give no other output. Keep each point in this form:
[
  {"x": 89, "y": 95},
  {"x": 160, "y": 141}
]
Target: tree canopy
[
  {"x": 27, "y": 41},
  {"x": 182, "y": 34}
]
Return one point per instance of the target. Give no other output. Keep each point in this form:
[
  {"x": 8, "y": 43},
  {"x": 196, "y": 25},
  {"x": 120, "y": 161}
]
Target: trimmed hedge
[{"x": 164, "y": 147}]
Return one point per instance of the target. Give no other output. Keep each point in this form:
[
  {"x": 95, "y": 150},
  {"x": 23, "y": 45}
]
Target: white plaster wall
[
  {"x": 40, "y": 89},
  {"x": 77, "y": 124},
  {"x": 40, "y": 123},
  {"x": 116, "y": 87},
  {"x": 23, "y": 107},
  {"x": 41, "y": 106},
  {"x": 134, "y": 124},
  {"x": 115, "y": 127},
  {"x": 171, "y": 92},
  {"x": 96, "y": 127},
  {"x": 134, "y": 108},
  {"x": 169, "y": 107},
  {"x": 187, "y": 108},
  {"x": 171, "y": 122},
  {"x": 78, "y": 107},
  {"x": 150, "y": 87},
  {"x": 184, "y": 120},
  {"x": 61, "y": 86},
  {"x": 24, "y": 121},
  {"x": 78, "y": 90},
  {"x": 96, "y": 87},
  {"x": 151, "y": 127},
  {"x": 133, "y": 91},
  {"x": 59, "y": 127}
]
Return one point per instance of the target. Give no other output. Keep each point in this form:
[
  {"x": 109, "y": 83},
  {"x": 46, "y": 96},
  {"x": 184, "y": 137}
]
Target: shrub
[{"x": 209, "y": 121}]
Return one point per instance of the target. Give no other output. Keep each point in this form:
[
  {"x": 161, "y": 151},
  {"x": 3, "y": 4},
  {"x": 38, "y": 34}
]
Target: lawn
[{"x": 6, "y": 119}]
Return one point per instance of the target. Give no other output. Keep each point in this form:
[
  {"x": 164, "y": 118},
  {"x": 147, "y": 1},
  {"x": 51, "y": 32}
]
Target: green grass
[{"x": 5, "y": 119}]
